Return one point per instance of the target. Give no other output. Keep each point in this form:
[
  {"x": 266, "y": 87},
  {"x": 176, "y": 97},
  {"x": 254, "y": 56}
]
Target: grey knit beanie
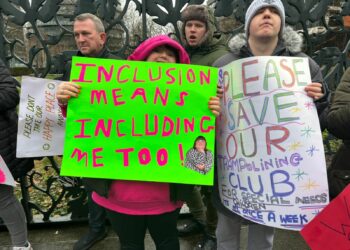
[{"x": 256, "y": 5}]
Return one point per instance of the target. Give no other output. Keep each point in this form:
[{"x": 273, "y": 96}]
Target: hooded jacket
[
  {"x": 338, "y": 122},
  {"x": 9, "y": 99},
  {"x": 290, "y": 44},
  {"x": 213, "y": 44},
  {"x": 139, "y": 197}
]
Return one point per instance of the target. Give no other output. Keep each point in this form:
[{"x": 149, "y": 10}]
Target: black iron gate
[{"x": 36, "y": 38}]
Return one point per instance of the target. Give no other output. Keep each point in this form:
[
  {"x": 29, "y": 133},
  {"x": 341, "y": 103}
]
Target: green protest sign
[{"x": 139, "y": 121}]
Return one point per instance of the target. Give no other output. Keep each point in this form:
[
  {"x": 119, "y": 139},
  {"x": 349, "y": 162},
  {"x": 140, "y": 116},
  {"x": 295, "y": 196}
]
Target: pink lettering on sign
[
  {"x": 152, "y": 78},
  {"x": 189, "y": 125},
  {"x": 181, "y": 152},
  {"x": 95, "y": 157},
  {"x": 144, "y": 156},
  {"x": 125, "y": 152},
  {"x": 147, "y": 130},
  {"x": 181, "y": 102},
  {"x": 120, "y": 72},
  {"x": 191, "y": 76},
  {"x": 82, "y": 129},
  {"x": 107, "y": 75},
  {"x": 205, "y": 129},
  {"x": 118, "y": 132},
  {"x": 168, "y": 126},
  {"x": 159, "y": 95},
  {"x": 135, "y": 76},
  {"x": 162, "y": 157},
  {"x": 83, "y": 71},
  {"x": 80, "y": 155},
  {"x": 205, "y": 78},
  {"x": 133, "y": 133},
  {"x": 140, "y": 92},
  {"x": 116, "y": 97},
  {"x": 96, "y": 95},
  {"x": 172, "y": 78},
  {"x": 101, "y": 127}
]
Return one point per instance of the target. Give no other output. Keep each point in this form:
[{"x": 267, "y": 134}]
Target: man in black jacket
[{"x": 90, "y": 38}]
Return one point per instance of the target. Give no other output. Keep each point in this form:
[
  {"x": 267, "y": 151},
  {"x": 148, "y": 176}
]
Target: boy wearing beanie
[
  {"x": 265, "y": 35},
  {"x": 205, "y": 45},
  {"x": 200, "y": 36}
]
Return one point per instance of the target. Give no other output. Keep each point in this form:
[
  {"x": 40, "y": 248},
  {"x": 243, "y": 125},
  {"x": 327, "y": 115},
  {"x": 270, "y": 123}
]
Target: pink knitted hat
[{"x": 146, "y": 47}]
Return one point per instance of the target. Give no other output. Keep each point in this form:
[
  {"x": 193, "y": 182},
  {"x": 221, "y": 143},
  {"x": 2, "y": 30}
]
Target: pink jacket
[{"x": 137, "y": 197}]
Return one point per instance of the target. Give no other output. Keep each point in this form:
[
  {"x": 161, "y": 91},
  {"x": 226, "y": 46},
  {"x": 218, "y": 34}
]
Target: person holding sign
[
  {"x": 199, "y": 158},
  {"x": 338, "y": 121},
  {"x": 90, "y": 38},
  {"x": 11, "y": 211},
  {"x": 205, "y": 45},
  {"x": 265, "y": 35},
  {"x": 134, "y": 206}
]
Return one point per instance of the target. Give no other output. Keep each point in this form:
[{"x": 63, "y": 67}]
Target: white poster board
[
  {"x": 41, "y": 126},
  {"x": 271, "y": 163}
]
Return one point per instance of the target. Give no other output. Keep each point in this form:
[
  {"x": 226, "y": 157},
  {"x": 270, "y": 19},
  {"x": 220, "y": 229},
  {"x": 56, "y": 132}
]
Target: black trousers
[{"x": 131, "y": 230}]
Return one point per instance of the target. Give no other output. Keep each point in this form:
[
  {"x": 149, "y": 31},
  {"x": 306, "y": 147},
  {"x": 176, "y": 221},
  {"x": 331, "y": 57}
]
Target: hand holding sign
[
  {"x": 65, "y": 91},
  {"x": 314, "y": 90}
]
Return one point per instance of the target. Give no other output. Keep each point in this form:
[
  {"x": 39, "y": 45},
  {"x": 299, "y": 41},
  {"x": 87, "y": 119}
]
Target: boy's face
[
  {"x": 194, "y": 32},
  {"x": 162, "y": 54},
  {"x": 265, "y": 24}
]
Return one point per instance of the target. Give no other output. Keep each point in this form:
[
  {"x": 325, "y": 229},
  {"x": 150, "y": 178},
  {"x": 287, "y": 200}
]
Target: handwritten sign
[
  {"x": 271, "y": 165},
  {"x": 5, "y": 174},
  {"x": 137, "y": 120},
  {"x": 40, "y": 122},
  {"x": 330, "y": 228}
]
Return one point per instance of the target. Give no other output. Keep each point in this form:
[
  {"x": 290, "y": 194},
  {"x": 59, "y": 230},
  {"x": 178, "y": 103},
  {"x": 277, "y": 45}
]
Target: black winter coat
[{"x": 9, "y": 99}]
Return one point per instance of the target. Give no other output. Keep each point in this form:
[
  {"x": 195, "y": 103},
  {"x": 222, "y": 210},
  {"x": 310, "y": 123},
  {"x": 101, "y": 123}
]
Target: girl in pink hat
[
  {"x": 135, "y": 206},
  {"x": 149, "y": 205}
]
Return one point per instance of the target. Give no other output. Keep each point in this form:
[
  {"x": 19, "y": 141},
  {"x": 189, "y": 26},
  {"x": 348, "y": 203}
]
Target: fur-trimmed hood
[{"x": 290, "y": 39}]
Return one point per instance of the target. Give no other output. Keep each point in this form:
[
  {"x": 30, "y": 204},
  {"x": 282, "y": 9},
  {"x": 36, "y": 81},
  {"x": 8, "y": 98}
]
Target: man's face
[
  {"x": 194, "y": 32},
  {"x": 88, "y": 40},
  {"x": 265, "y": 24}
]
